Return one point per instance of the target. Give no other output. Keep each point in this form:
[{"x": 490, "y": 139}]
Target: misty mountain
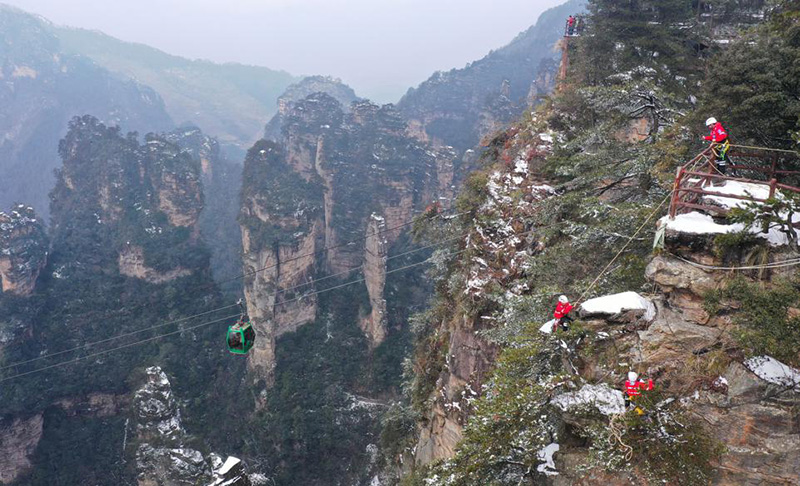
[
  {"x": 228, "y": 101},
  {"x": 42, "y": 88},
  {"x": 341, "y": 92},
  {"x": 461, "y": 106}
]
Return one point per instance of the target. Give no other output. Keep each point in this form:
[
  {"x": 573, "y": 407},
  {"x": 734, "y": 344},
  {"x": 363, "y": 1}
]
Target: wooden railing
[{"x": 696, "y": 179}]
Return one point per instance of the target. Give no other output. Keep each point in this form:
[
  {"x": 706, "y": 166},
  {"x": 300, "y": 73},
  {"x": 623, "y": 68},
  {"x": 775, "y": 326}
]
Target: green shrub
[
  {"x": 668, "y": 444},
  {"x": 764, "y": 323}
]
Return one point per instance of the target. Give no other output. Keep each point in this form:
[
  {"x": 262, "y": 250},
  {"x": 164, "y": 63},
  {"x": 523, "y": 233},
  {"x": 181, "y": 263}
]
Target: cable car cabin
[{"x": 241, "y": 337}]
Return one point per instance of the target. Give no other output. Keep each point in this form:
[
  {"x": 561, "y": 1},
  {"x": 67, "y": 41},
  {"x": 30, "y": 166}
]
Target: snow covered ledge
[
  {"x": 698, "y": 223},
  {"x": 609, "y": 305}
]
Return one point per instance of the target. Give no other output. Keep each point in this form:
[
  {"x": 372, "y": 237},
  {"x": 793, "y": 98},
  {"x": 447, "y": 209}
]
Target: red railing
[{"x": 695, "y": 179}]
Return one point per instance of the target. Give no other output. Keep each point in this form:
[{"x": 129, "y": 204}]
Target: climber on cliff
[
  {"x": 719, "y": 143},
  {"x": 570, "y": 25},
  {"x": 433, "y": 209},
  {"x": 561, "y": 314},
  {"x": 633, "y": 390}
]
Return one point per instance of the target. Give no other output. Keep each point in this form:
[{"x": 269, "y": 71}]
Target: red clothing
[
  {"x": 633, "y": 389},
  {"x": 570, "y": 21},
  {"x": 718, "y": 133},
  {"x": 562, "y": 310}
]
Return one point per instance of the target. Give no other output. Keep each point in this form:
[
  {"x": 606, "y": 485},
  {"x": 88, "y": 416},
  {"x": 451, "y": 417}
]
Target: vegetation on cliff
[
  {"x": 110, "y": 198},
  {"x": 630, "y": 111}
]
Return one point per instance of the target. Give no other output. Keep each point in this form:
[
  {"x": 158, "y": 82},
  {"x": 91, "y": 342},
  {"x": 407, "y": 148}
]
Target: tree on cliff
[
  {"x": 637, "y": 34},
  {"x": 756, "y": 81}
]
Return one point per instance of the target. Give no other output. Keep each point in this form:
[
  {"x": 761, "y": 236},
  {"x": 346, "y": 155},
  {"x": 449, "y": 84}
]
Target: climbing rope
[
  {"x": 616, "y": 432},
  {"x": 619, "y": 253},
  {"x": 768, "y": 149}
]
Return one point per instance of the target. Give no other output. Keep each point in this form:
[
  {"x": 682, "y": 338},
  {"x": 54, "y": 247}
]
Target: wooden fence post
[
  {"x": 674, "y": 201},
  {"x": 774, "y": 165}
]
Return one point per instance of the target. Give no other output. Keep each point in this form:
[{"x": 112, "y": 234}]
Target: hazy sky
[{"x": 379, "y": 47}]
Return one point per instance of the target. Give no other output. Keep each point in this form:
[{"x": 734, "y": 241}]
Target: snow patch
[
  {"x": 616, "y": 303},
  {"x": 737, "y": 188},
  {"x": 546, "y": 455},
  {"x": 700, "y": 223},
  {"x": 607, "y": 400},
  {"x": 773, "y": 371},
  {"x": 230, "y": 463}
]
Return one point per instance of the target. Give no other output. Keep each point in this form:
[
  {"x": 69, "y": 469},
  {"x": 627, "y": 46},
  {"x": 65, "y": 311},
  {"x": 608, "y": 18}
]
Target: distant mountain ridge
[
  {"x": 460, "y": 106},
  {"x": 228, "y": 101},
  {"x": 42, "y": 88},
  {"x": 341, "y": 92}
]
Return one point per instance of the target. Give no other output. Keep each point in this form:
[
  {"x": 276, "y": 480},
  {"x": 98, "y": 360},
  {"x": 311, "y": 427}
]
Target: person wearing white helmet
[
  {"x": 720, "y": 143},
  {"x": 633, "y": 389},
  {"x": 560, "y": 315}
]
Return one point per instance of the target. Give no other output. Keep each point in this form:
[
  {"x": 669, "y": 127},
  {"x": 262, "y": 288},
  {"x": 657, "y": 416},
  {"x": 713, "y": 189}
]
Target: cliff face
[
  {"x": 461, "y": 106},
  {"x": 146, "y": 193},
  {"x": 20, "y": 436},
  {"x": 500, "y": 245},
  {"x": 23, "y": 250},
  {"x": 749, "y": 412},
  {"x": 43, "y": 88},
  {"x": 343, "y": 93},
  {"x": 504, "y": 400},
  {"x": 336, "y": 177},
  {"x": 125, "y": 255},
  {"x": 161, "y": 456}
]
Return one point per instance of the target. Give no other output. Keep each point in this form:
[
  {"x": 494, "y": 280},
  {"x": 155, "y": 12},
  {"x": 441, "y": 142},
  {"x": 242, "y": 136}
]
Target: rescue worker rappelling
[
  {"x": 633, "y": 390},
  {"x": 720, "y": 144},
  {"x": 561, "y": 316}
]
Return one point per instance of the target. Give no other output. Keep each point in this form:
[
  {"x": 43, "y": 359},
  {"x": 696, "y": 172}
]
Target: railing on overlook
[{"x": 696, "y": 179}]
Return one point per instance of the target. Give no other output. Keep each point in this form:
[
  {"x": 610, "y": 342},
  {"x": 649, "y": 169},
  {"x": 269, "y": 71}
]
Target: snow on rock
[
  {"x": 616, "y": 303},
  {"x": 737, "y": 188},
  {"x": 607, "y": 400},
  {"x": 229, "y": 464},
  {"x": 700, "y": 223},
  {"x": 548, "y": 467},
  {"x": 773, "y": 371}
]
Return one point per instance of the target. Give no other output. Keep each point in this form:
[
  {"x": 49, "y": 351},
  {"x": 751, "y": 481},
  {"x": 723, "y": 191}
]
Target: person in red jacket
[
  {"x": 721, "y": 144},
  {"x": 560, "y": 315},
  {"x": 570, "y": 25},
  {"x": 633, "y": 389}
]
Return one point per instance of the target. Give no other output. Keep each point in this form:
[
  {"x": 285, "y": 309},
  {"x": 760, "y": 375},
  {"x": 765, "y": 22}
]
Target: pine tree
[
  {"x": 754, "y": 84},
  {"x": 626, "y": 35}
]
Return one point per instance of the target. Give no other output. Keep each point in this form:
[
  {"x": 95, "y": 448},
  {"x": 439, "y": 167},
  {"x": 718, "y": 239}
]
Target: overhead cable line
[
  {"x": 112, "y": 338},
  {"x": 164, "y": 324},
  {"x": 297, "y": 257},
  {"x": 339, "y": 245},
  {"x": 204, "y": 324}
]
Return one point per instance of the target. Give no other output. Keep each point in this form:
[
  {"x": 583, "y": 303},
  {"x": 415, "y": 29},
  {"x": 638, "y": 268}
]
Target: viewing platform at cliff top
[{"x": 703, "y": 197}]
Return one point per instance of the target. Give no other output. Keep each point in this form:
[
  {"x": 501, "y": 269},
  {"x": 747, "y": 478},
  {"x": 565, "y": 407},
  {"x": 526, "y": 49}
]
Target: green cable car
[{"x": 241, "y": 336}]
